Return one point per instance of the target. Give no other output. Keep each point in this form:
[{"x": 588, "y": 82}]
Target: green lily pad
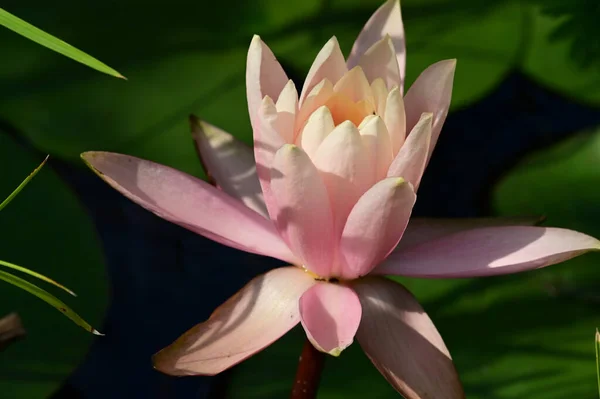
[
  {"x": 46, "y": 229},
  {"x": 550, "y": 61}
]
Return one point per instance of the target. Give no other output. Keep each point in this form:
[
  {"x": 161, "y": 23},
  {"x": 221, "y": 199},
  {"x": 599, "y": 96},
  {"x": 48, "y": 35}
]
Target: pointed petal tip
[
  {"x": 335, "y": 352},
  {"x": 96, "y": 332},
  {"x": 399, "y": 181}
]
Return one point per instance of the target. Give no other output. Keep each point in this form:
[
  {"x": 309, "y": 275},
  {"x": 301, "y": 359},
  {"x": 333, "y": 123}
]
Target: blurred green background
[{"x": 523, "y": 336}]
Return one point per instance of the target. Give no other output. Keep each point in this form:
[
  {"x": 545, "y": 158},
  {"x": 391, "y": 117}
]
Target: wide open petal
[
  {"x": 330, "y": 315},
  {"x": 387, "y": 20},
  {"x": 422, "y": 230},
  {"x": 264, "y": 77},
  {"x": 402, "y": 342},
  {"x": 375, "y": 226},
  {"x": 431, "y": 92},
  {"x": 189, "y": 202},
  {"x": 412, "y": 157},
  {"x": 256, "y": 316},
  {"x": 230, "y": 163},
  {"x": 488, "y": 252},
  {"x": 303, "y": 215},
  {"x": 329, "y": 64}
]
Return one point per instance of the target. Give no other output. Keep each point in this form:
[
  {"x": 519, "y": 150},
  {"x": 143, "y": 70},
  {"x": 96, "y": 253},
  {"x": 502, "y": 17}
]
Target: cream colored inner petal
[
  {"x": 315, "y": 99},
  {"x": 395, "y": 118},
  {"x": 319, "y": 125},
  {"x": 380, "y": 93},
  {"x": 355, "y": 86}
]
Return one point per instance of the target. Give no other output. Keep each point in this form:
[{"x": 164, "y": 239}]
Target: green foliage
[
  {"x": 46, "y": 227},
  {"x": 32, "y": 288},
  {"x": 597, "y": 347},
  {"x": 39, "y": 36},
  {"x": 578, "y": 27}
]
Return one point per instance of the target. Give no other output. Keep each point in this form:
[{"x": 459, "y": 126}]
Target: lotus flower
[{"x": 329, "y": 189}]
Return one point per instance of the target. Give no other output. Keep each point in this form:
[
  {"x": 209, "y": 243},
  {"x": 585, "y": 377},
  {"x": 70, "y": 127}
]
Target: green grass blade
[
  {"x": 49, "y": 299},
  {"x": 36, "y": 275},
  {"x": 597, "y": 345},
  {"x": 23, "y": 184},
  {"x": 53, "y": 43}
]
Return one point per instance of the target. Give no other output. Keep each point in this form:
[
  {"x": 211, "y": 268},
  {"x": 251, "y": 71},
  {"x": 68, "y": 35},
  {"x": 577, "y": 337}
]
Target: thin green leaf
[
  {"x": 23, "y": 184},
  {"x": 597, "y": 345},
  {"x": 36, "y": 275},
  {"x": 23, "y": 28},
  {"x": 49, "y": 299}
]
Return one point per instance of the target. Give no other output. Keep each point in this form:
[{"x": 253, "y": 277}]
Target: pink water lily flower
[{"x": 329, "y": 189}]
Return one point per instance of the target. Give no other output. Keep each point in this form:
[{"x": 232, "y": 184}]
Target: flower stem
[{"x": 308, "y": 375}]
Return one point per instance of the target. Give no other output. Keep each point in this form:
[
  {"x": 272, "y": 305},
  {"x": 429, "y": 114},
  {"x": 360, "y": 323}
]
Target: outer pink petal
[
  {"x": 412, "y": 157},
  {"x": 375, "y": 226},
  {"x": 266, "y": 145},
  {"x": 386, "y": 20},
  {"x": 489, "y": 251},
  {"x": 345, "y": 168},
  {"x": 264, "y": 77},
  {"x": 189, "y": 202},
  {"x": 230, "y": 163},
  {"x": 402, "y": 342},
  {"x": 330, "y": 315},
  {"x": 395, "y": 118},
  {"x": 431, "y": 92},
  {"x": 377, "y": 143},
  {"x": 303, "y": 214},
  {"x": 259, "y": 314},
  {"x": 287, "y": 108},
  {"x": 379, "y": 61},
  {"x": 422, "y": 230},
  {"x": 329, "y": 64}
]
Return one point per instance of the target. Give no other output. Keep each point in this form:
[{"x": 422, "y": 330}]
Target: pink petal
[
  {"x": 412, "y": 157},
  {"x": 190, "y": 203},
  {"x": 317, "y": 97},
  {"x": 266, "y": 145},
  {"x": 380, "y": 93},
  {"x": 387, "y": 20},
  {"x": 230, "y": 163},
  {"x": 379, "y": 61},
  {"x": 318, "y": 126},
  {"x": 259, "y": 314},
  {"x": 421, "y": 230},
  {"x": 303, "y": 214},
  {"x": 402, "y": 342},
  {"x": 287, "y": 108},
  {"x": 330, "y": 315},
  {"x": 355, "y": 86},
  {"x": 488, "y": 252},
  {"x": 375, "y": 226},
  {"x": 329, "y": 64},
  {"x": 344, "y": 167},
  {"x": 431, "y": 92},
  {"x": 395, "y": 118},
  {"x": 376, "y": 141},
  {"x": 264, "y": 77}
]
